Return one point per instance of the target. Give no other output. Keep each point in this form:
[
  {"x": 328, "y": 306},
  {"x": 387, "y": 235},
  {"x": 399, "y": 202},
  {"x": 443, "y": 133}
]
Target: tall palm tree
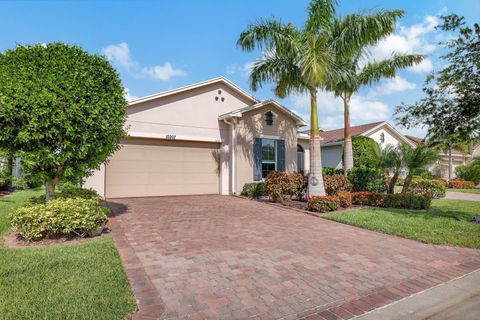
[
  {"x": 447, "y": 143},
  {"x": 359, "y": 72},
  {"x": 390, "y": 160},
  {"x": 298, "y": 60},
  {"x": 414, "y": 159}
]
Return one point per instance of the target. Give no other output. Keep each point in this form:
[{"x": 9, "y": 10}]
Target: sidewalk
[{"x": 456, "y": 299}]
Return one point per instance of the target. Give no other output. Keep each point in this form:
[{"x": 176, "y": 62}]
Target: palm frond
[
  {"x": 268, "y": 34},
  {"x": 374, "y": 71},
  {"x": 320, "y": 14},
  {"x": 357, "y": 31}
]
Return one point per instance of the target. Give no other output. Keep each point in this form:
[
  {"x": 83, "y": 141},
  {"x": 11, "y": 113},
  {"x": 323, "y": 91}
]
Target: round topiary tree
[
  {"x": 62, "y": 111},
  {"x": 364, "y": 154}
]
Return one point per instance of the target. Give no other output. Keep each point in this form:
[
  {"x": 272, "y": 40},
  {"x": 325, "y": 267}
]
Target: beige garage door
[{"x": 148, "y": 167}]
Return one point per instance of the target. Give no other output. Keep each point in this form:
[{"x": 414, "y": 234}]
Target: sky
[{"x": 161, "y": 45}]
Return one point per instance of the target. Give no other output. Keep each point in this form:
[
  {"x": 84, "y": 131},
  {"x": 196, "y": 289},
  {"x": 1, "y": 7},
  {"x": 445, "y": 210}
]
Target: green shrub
[
  {"x": 5, "y": 184},
  {"x": 469, "y": 172},
  {"x": 336, "y": 183},
  {"x": 70, "y": 191},
  {"x": 282, "y": 186},
  {"x": 59, "y": 217},
  {"x": 19, "y": 183},
  {"x": 332, "y": 171},
  {"x": 364, "y": 154},
  {"x": 323, "y": 203},
  {"x": 366, "y": 179},
  {"x": 254, "y": 189},
  {"x": 461, "y": 184},
  {"x": 423, "y": 173},
  {"x": 345, "y": 199},
  {"x": 398, "y": 200},
  {"x": 432, "y": 188}
]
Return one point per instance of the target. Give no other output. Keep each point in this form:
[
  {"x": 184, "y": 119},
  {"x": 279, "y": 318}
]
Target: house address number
[{"x": 171, "y": 136}]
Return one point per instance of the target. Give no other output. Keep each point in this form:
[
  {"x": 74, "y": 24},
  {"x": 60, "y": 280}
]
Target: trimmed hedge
[
  {"x": 59, "y": 217},
  {"x": 282, "y": 186},
  {"x": 332, "y": 171},
  {"x": 345, "y": 199},
  {"x": 398, "y": 200},
  {"x": 254, "y": 189},
  {"x": 366, "y": 179},
  {"x": 461, "y": 184},
  {"x": 432, "y": 188},
  {"x": 336, "y": 183},
  {"x": 323, "y": 203}
]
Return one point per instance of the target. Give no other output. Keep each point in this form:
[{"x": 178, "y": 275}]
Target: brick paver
[{"x": 221, "y": 257}]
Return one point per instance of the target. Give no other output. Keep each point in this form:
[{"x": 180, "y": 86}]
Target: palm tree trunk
[
  {"x": 347, "y": 134},
  {"x": 315, "y": 179},
  {"x": 406, "y": 184},
  {"x": 450, "y": 163},
  {"x": 393, "y": 182}
]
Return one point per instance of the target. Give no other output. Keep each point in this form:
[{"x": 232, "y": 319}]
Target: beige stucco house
[{"x": 211, "y": 137}]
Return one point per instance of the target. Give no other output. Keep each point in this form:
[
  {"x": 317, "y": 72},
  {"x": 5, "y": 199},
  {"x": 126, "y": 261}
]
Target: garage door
[{"x": 148, "y": 167}]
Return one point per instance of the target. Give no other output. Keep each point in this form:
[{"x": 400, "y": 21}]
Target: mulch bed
[
  {"x": 14, "y": 241},
  {"x": 4, "y": 193}
]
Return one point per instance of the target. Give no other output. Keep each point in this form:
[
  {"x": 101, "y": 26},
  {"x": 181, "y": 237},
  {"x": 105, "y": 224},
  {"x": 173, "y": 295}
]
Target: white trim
[
  {"x": 263, "y": 136},
  {"x": 238, "y": 113},
  {"x": 177, "y": 137},
  {"x": 193, "y": 86}
]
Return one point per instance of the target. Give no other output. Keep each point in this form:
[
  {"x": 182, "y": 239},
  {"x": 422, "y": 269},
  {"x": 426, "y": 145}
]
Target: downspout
[{"x": 233, "y": 141}]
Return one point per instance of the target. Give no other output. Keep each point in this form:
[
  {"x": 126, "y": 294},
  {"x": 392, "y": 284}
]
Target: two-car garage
[{"x": 154, "y": 167}]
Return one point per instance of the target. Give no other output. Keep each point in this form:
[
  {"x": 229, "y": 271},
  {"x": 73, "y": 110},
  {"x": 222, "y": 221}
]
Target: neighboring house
[
  {"x": 211, "y": 137},
  {"x": 458, "y": 158},
  {"x": 332, "y": 141}
]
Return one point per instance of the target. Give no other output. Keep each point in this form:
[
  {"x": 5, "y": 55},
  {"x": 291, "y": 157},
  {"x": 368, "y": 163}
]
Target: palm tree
[
  {"x": 358, "y": 73},
  {"x": 447, "y": 143},
  {"x": 299, "y": 60},
  {"x": 414, "y": 159},
  {"x": 390, "y": 160}
]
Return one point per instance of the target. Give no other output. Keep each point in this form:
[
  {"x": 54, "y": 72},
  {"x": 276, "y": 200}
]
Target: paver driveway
[{"x": 221, "y": 257}]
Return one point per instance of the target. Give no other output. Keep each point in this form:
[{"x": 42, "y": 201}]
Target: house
[
  {"x": 332, "y": 141},
  {"x": 210, "y": 137},
  {"x": 440, "y": 169}
]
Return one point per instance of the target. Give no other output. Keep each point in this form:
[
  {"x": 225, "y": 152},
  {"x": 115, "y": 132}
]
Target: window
[
  {"x": 300, "y": 159},
  {"x": 269, "y": 156},
  {"x": 269, "y": 118},
  {"x": 382, "y": 137}
]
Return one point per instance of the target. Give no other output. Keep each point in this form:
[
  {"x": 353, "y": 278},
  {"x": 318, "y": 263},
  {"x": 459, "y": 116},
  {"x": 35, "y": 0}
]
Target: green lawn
[
  {"x": 78, "y": 281},
  {"x": 448, "y": 222},
  {"x": 475, "y": 191}
]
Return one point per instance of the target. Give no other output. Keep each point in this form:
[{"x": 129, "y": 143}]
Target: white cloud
[
  {"x": 244, "y": 69},
  {"x": 388, "y": 86},
  {"x": 119, "y": 54},
  {"x": 129, "y": 96},
  {"x": 330, "y": 109},
  {"x": 165, "y": 72},
  {"x": 408, "y": 40},
  {"x": 424, "y": 66}
]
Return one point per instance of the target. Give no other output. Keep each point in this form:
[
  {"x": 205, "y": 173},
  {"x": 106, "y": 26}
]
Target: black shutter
[
  {"x": 281, "y": 155},
  {"x": 257, "y": 157}
]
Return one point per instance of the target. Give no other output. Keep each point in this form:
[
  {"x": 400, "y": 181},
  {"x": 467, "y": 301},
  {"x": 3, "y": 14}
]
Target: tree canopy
[
  {"x": 62, "y": 110},
  {"x": 452, "y": 95},
  {"x": 364, "y": 152}
]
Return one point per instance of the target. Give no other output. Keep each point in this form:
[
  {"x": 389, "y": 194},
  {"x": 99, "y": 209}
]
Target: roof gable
[{"x": 222, "y": 80}]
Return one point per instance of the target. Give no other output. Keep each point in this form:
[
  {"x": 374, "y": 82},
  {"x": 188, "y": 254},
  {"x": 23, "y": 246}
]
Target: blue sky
[{"x": 160, "y": 45}]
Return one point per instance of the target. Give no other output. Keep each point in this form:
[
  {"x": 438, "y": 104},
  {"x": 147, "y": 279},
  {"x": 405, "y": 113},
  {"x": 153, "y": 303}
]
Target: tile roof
[
  {"x": 415, "y": 140},
  {"x": 337, "y": 134}
]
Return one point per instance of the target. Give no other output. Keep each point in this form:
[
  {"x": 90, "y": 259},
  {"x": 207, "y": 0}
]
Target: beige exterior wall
[
  {"x": 189, "y": 115},
  {"x": 152, "y": 167},
  {"x": 97, "y": 181},
  {"x": 305, "y": 144},
  {"x": 252, "y": 125}
]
